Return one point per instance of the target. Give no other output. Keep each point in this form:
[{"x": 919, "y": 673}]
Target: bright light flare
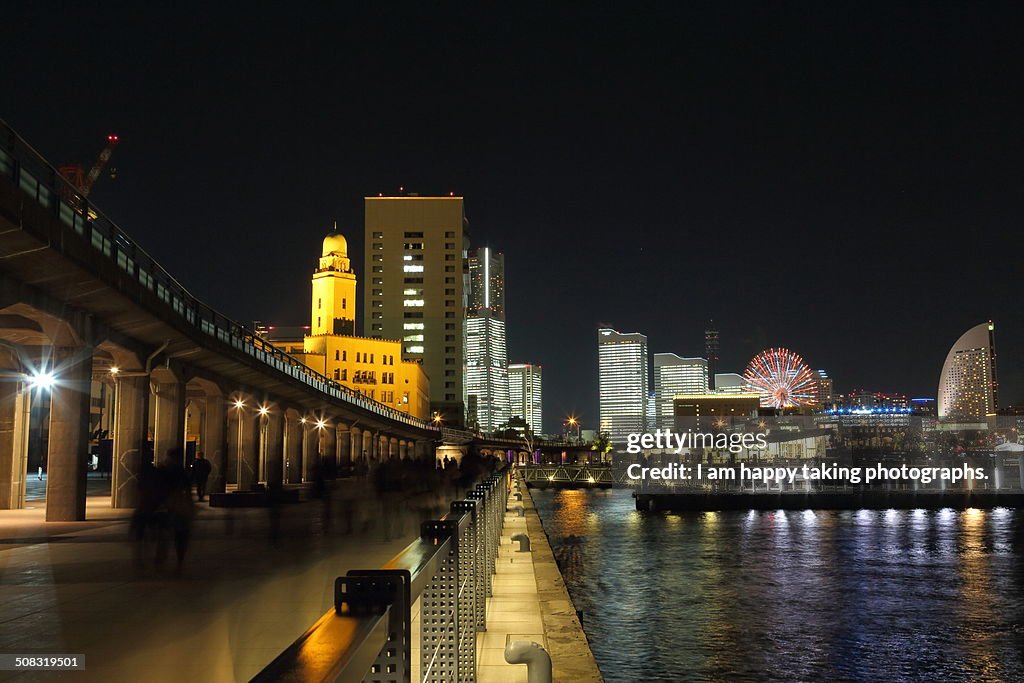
[
  {"x": 42, "y": 380},
  {"x": 239, "y": 403}
]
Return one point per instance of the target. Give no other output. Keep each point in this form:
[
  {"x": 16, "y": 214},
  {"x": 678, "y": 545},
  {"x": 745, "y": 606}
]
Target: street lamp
[
  {"x": 573, "y": 422},
  {"x": 42, "y": 380},
  {"x": 437, "y": 419}
]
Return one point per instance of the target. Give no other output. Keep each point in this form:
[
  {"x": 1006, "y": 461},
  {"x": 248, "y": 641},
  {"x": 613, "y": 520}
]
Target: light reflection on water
[{"x": 792, "y": 596}]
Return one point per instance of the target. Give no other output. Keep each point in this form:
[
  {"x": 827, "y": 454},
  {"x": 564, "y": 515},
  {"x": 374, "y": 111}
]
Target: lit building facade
[
  {"x": 825, "y": 390},
  {"x": 373, "y": 367},
  {"x": 676, "y": 375},
  {"x": 623, "y": 383},
  {"x": 416, "y": 248},
  {"x": 730, "y": 383},
  {"x": 487, "y": 382},
  {"x": 968, "y": 386},
  {"x": 525, "y": 390}
]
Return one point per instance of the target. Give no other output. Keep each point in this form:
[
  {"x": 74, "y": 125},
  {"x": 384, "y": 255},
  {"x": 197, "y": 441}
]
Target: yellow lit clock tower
[{"x": 334, "y": 290}]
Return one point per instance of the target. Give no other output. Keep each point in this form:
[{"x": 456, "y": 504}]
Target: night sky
[{"x": 844, "y": 181}]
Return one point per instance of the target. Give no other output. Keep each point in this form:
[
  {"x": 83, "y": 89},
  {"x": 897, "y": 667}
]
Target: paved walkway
[{"x": 242, "y": 598}]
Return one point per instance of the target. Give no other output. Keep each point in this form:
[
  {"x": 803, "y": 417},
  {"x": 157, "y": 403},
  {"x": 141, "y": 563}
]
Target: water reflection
[{"x": 792, "y": 596}]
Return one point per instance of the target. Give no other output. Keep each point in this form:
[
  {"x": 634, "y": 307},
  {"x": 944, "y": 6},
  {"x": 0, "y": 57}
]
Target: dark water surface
[{"x": 898, "y": 595}]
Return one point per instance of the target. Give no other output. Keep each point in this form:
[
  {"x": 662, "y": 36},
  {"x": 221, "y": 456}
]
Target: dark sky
[{"x": 842, "y": 180}]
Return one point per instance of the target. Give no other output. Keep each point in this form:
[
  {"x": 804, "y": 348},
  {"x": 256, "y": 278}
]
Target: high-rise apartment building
[
  {"x": 825, "y": 389},
  {"x": 673, "y": 376},
  {"x": 487, "y": 383},
  {"x": 711, "y": 350},
  {"x": 525, "y": 395},
  {"x": 416, "y": 250},
  {"x": 623, "y": 383},
  {"x": 968, "y": 385}
]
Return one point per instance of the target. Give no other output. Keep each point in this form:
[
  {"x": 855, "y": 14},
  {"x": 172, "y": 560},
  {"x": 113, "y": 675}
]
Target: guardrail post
[
  {"x": 524, "y": 542},
  {"x": 372, "y": 590},
  {"x": 442, "y": 630}
]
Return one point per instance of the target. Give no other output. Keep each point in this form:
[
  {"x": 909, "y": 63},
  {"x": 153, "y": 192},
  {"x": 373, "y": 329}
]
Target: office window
[
  {"x": 377, "y": 315},
  {"x": 449, "y": 397},
  {"x": 379, "y": 258},
  {"x": 378, "y": 235},
  {"x": 414, "y": 349},
  {"x": 412, "y": 315},
  {"x": 413, "y": 257},
  {"x": 378, "y": 280},
  {"x": 449, "y": 245},
  {"x": 413, "y": 245},
  {"x": 449, "y": 292},
  {"x": 378, "y": 292},
  {"x": 449, "y": 385},
  {"x": 449, "y": 314},
  {"x": 448, "y": 269},
  {"x": 344, "y": 355},
  {"x": 413, "y": 281},
  {"x": 337, "y": 373},
  {"x": 413, "y": 337},
  {"x": 449, "y": 326},
  {"x": 337, "y": 355},
  {"x": 412, "y": 269},
  {"x": 449, "y": 337},
  {"x": 377, "y": 327},
  {"x": 449, "y": 373},
  {"x": 449, "y": 257},
  {"x": 450, "y": 233},
  {"x": 378, "y": 245},
  {"x": 413, "y": 302},
  {"x": 344, "y": 304},
  {"x": 378, "y": 269},
  {"x": 414, "y": 234},
  {"x": 377, "y": 303},
  {"x": 449, "y": 302},
  {"x": 412, "y": 326},
  {"x": 449, "y": 281},
  {"x": 319, "y": 303}
]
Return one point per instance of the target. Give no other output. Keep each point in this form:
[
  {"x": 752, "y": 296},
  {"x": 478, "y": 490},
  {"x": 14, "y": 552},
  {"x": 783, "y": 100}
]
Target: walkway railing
[
  {"x": 47, "y": 187},
  {"x": 368, "y": 634}
]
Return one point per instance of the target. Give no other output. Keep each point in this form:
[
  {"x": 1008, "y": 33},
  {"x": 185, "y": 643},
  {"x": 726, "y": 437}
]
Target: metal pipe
[
  {"x": 536, "y": 659},
  {"x": 524, "y": 542}
]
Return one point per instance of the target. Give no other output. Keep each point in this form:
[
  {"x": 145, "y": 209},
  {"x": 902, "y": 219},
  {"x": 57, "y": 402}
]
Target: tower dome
[{"x": 335, "y": 244}]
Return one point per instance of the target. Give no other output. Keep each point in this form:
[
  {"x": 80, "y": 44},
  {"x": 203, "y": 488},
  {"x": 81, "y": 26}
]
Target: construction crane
[{"x": 76, "y": 175}]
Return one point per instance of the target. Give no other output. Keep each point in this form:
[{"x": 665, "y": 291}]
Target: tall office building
[
  {"x": 674, "y": 375},
  {"x": 711, "y": 350},
  {"x": 622, "y": 374},
  {"x": 487, "y": 384},
  {"x": 525, "y": 394},
  {"x": 825, "y": 390},
  {"x": 968, "y": 385},
  {"x": 416, "y": 249}
]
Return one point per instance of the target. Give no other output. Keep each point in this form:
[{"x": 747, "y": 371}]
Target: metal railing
[
  {"x": 41, "y": 182},
  {"x": 368, "y": 634}
]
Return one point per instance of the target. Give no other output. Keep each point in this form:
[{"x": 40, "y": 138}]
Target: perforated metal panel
[
  {"x": 439, "y": 609},
  {"x": 377, "y": 590},
  {"x": 472, "y": 601}
]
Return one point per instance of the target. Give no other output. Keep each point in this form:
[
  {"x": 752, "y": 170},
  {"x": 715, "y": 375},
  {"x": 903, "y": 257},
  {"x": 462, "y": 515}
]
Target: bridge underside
[{"x": 98, "y": 358}]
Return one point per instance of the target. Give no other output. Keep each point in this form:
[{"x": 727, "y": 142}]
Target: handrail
[
  {"x": 38, "y": 179},
  {"x": 454, "y": 555}
]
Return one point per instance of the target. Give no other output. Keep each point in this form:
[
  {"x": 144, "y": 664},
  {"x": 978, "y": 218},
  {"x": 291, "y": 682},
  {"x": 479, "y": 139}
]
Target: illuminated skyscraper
[
  {"x": 487, "y": 383},
  {"x": 416, "y": 249},
  {"x": 711, "y": 350},
  {"x": 622, "y": 373},
  {"x": 968, "y": 384},
  {"x": 672, "y": 376},
  {"x": 525, "y": 394}
]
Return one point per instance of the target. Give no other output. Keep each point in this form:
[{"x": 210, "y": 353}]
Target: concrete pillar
[
  {"x": 292, "y": 449},
  {"x": 130, "y": 412},
  {"x": 310, "y": 443},
  {"x": 392, "y": 448},
  {"x": 272, "y": 448},
  {"x": 69, "y": 438},
  {"x": 344, "y": 447},
  {"x": 403, "y": 449},
  {"x": 243, "y": 445},
  {"x": 329, "y": 450},
  {"x": 15, "y": 398},
  {"x": 214, "y": 442},
  {"x": 355, "y": 449},
  {"x": 169, "y": 419},
  {"x": 423, "y": 450}
]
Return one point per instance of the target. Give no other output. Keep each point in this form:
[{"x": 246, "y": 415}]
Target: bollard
[
  {"x": 536, "y": 659},
  {"x": 519, "y": 510},
  {"x": 518, "y": 495},
  {"x": 524, "y": 542}
]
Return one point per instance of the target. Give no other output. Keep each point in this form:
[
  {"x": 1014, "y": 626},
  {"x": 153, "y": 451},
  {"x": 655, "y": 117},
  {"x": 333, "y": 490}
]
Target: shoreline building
[
  {"x": 676, "y": 375},
  {"x": 416, "y": 249},
  {"x": 373, "y": 367},
  {"x": 487, "y": 381},
  {"x": 968, "y": 383},
  {"x": 525, "y": 391},
  {"x": 623, "y": 383}
]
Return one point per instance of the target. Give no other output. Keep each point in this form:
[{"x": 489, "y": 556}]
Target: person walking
[{"x": 201, "y": 474}]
